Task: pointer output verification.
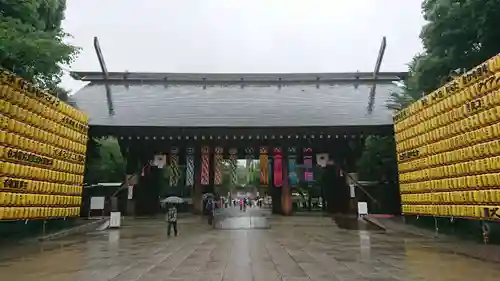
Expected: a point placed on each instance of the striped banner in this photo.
(278, 167)
(233, 161)
(174, 167)
(205, 165)
(249, 151)
(218, 157)
(264, 166)
(308, 164)
(190, 167)
(292, 166)
(269, 169)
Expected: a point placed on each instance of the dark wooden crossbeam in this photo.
(104, 74)
(376, 73)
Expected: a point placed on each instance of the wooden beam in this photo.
(105, 74)
(378, 63)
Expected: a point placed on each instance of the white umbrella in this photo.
(172, 200)
(207, 195)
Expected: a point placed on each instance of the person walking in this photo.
(211, 211)
(172, 219)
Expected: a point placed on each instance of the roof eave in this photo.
(93, 76)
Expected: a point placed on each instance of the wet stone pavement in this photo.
(242, 246)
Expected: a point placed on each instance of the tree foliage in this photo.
(401, 99)
(105, 162)
(378, 160)
(409, 90)
(459, 34)
(32, 41)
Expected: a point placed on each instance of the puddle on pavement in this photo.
(235, 223)
(26, 250)
(354, 224)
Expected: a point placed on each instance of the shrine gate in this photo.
(196, 120)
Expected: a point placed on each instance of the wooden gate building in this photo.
(199, 119)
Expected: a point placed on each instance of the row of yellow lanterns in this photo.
(465, 86)
(487, 180)
(27, 199)
(484, 212)
(37, 173)
(23, 157)
(455, 129)
(31, 186)
(21, 213)
(462, 106)
(474, 152)
(29, 118)
(25, 87)
(13, 130)
(491, 196)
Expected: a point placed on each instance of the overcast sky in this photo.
(243, 35)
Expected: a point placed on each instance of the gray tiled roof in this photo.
(232, 105)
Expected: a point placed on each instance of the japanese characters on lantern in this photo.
(448, 146)
(42, 152)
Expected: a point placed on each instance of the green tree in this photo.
(459, 35)
(105, 162)
(32, 41)
(378, 159)
(408, 91)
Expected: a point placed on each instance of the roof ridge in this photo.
(238, 77)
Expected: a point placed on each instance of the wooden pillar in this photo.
(352, 178)
(286, 191)
(275, 191)
(132, 174)
(328, 180)
(210, 188)
(198, 188)
(127, 178)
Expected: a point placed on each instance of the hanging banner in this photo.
(174, 167)
(308, 164)
(264, 166)
(292, 166)
(233, 161)
(160, 160)
(278, 167)
(322, 159)
(190, 167)
(205, 165)
(249, 157)
(218, 157)
(269, 169)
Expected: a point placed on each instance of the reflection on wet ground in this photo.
(353, 223)
(241, 220)
(288, 248)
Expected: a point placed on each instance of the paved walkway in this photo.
(287, 248)
(396, 225)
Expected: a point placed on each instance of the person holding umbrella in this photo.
(210, 206)
(172, 213)
(172, 219)
(211, 210)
